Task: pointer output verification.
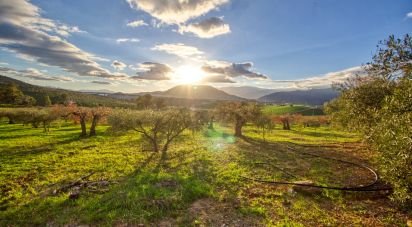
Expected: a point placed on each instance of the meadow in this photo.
(200, 181)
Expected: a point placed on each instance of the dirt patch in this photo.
(209, 212)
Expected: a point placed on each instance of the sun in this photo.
(189, 74)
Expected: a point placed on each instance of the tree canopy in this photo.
(380, 106)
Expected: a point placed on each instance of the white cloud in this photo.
(179, 49)
(327, 79)
(208, 28)
(319, 81)
(97, 58)
(409, 15)
(118, 65)
(136, 23)
(27, 34)
(176, 11)
(33, 73)
(124, 40)
(230, 70)
(23, 13)
(153, 71)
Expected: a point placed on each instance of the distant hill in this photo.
(101, 91)
(55, 94)
(307, 97)
(182, 95)
(203, 92)
(247, 92)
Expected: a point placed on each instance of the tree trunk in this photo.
(93, 126)
(286, 125)
(166, 146)
(155, 146)
(83, 125)
(238, 128)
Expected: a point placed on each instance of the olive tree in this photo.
(265, 124)
(380, 106)
(239, 113)
(81, 114)
(85, 114)
(158, 128)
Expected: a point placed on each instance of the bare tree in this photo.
(159, 128)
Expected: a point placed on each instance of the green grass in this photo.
(292, 109)
(199, 182)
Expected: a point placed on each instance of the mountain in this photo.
(100, 91)
(182, 95)
(247, 92)
(197, 92)
(57, 95)
(308, 97)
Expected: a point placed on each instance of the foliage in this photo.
(380, 106)
(265, 124)
(239, 113)
(33, 116)
(11, 94)
(147, 101)
(158, 128)
(47, 101)
(86, 114)
(64, 97)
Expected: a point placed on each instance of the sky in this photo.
(148, 45)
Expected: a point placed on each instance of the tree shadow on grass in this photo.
(324, 134)
(152, 192)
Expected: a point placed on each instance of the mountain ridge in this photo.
(315, 96)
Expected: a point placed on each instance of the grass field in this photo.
(292, 109)
(199, 181)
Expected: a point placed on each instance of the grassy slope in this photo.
(288, 109)
(197, 183)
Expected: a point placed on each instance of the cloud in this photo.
(231, 70)
(23, 13)
(136, 23)
(118, 65)
(179, 49)
(208, 28)
(327, 79)
(32, 73)
(409, 15)
(124, 40)
(176, 11)
(153, 71)
(97, 58)
(101, 82)
(24, 32)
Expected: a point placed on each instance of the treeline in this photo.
(17, 93)
(155, 120)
